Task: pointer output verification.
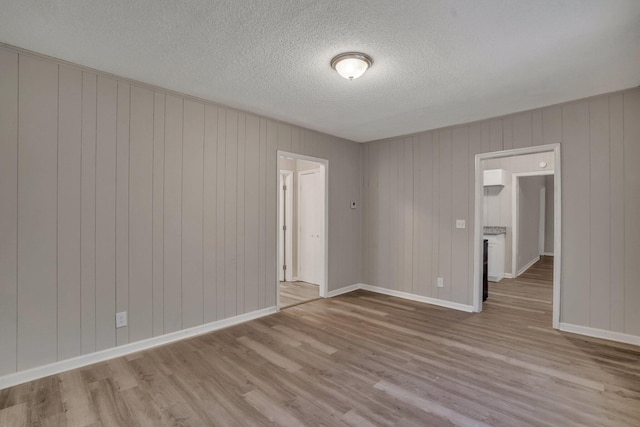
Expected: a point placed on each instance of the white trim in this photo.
(100, 356)
(400, 294)
(344, 290)
(529, 264)
(557, 214)
(420, 298)
(548, 254)
(542, 219)
(600, 333)
(324, 286)
(515, 218)
(508, 276)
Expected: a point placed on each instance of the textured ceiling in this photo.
(436, 63)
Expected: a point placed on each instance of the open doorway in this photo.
(532, 221)
(513, 191)
(302, 229)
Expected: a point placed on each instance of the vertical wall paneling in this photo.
(476, 135)
(284, 137)
(616, 220)
(8, 209)
(496, 136)
(121, 198)
(631, 132)
(575, 213)
(435, 214)
(88, 214)
(262, 239)
(158, 213)
(460, 210)
(230, 213)
(271, 212)
(37, 212)
(366, 209)
(418, 230)
(209, 226)
(522, 130)
(599, 212)
(240, 235)
(107, 91)
(536, 128)
(141, 214)
(122, 206)
(173, 214)
(507, 133)
(251, 209)
(408, 207)
(446, 223)
(221, 178)
(427, 214)
(384, 220)
(69, 165)
(192, 187)
(552, 125)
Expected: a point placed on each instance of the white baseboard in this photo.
(420, 298)
(529, 264)
(600, 333)
(548, 254)
(100, 356)
(344, 290)
(508, 276)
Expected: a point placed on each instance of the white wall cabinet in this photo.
(496, 256)
(495, 177)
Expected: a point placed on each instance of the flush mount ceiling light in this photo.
(351, 65)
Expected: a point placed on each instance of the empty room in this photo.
(319, 212)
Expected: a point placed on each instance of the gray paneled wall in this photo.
(117, 196)
(416, 186)
(528, 220)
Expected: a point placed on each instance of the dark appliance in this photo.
(485, 269)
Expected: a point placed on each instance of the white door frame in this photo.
(288, 219)
(543, 219)
(557, 215)
(324, 283)
(515, 217)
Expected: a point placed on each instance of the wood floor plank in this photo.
(359, 359)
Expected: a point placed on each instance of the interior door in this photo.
(311, 224)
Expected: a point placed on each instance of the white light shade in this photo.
(351, 65)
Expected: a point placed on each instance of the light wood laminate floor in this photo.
(292, 293)
(360, 359)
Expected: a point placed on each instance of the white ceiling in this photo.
(436, 63)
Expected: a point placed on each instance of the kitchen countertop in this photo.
(493, 230)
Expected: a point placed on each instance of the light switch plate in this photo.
(460, 223)
(121, 319)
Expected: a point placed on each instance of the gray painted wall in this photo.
(117, 196)
(416, 186)
(549, 208)
(528, 220)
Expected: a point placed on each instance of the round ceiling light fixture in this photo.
(351, 65)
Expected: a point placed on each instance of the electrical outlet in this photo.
(460, 223)
(121, 319)
(441, 282)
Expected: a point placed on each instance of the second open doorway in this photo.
(302, 229)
